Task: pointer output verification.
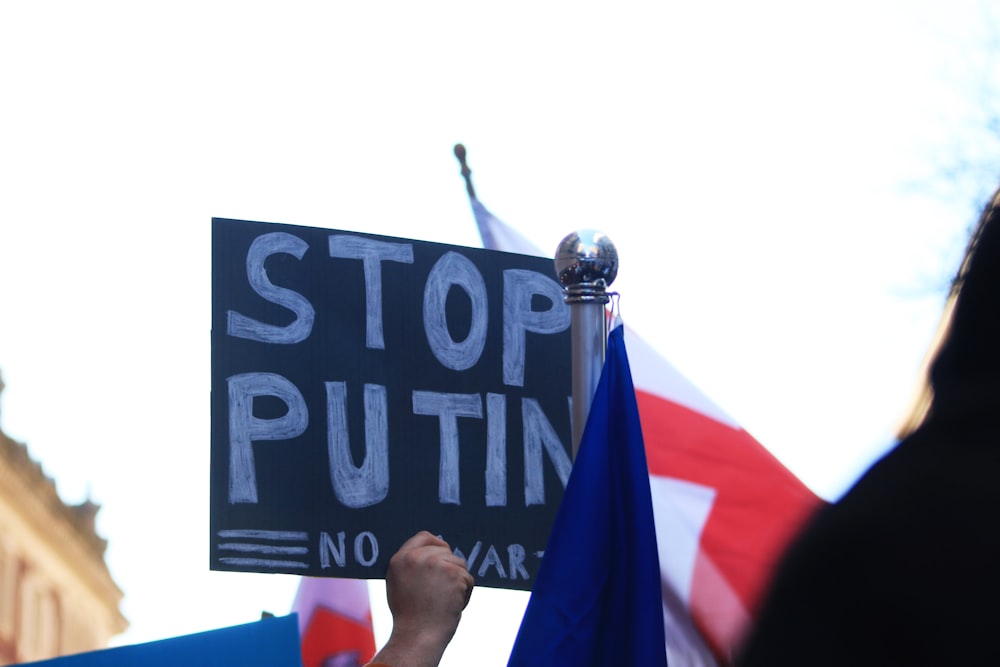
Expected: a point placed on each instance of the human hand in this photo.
(427, 587)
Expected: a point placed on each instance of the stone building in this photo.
(57, 596)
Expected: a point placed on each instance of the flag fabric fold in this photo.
(725, 508)
(335, 622)
(596, 599)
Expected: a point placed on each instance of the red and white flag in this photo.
(724, 507)
(335, 622)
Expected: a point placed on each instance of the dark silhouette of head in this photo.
(965, 375)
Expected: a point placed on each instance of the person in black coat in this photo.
(905, 568)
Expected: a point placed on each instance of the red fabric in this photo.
(759, 507)
(332, 639)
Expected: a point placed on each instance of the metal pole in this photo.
(586, 263)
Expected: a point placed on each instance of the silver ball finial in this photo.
(586, 263)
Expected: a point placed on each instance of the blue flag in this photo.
(596, 599)
(272, 642)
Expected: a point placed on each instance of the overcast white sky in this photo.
(771, 173)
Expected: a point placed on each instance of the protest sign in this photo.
(367, 387)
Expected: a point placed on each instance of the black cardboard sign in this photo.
(367, 387)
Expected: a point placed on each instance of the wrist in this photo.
(413, 647)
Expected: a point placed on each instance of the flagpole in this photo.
(586, 263)
(466, 172)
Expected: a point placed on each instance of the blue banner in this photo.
(272, 642)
